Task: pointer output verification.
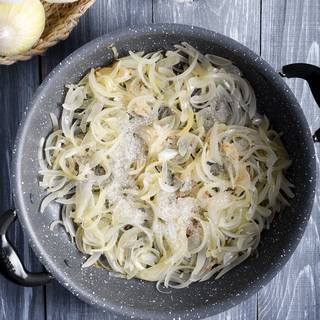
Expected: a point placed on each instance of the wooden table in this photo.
(282, 32)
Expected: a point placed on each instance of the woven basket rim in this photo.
(65, 18)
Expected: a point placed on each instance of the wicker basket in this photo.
(60, 20)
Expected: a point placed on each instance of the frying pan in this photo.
(138, 298)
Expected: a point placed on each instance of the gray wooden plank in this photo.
(18, 83)
(105, 16)
(239, 20)
(291, 33)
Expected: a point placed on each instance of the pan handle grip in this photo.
(311, 74)
(11, 266)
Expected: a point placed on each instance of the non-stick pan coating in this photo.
(138, 298)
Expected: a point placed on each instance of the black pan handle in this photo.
(11, 266)
(311, 74)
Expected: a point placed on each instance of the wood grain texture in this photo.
(291, 33)
(105, 16)
(239, 20)
(17, 84)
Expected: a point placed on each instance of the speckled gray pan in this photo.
(134, 297)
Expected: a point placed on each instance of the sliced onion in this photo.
(140, 191)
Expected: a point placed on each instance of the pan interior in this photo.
(140, 298)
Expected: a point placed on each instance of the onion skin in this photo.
(21, 25)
